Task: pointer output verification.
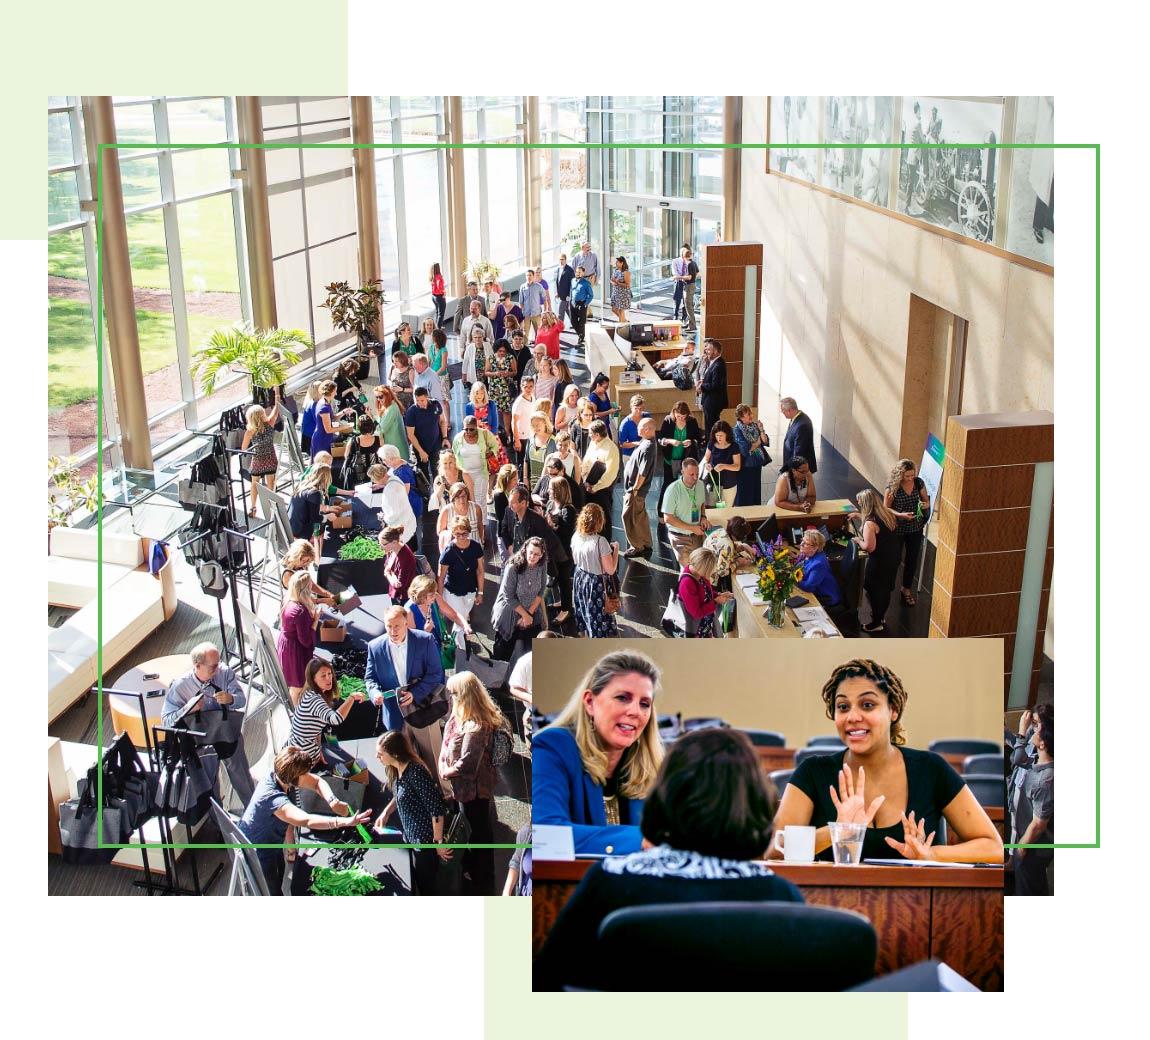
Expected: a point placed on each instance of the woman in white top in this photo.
(460, 504)
(565, 449)
(448, 476)
(595, 558)
(476, 353)
(567, 411)
(471, 448)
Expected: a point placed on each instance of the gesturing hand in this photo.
(915, 844)
(850, 799)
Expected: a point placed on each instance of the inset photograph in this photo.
(767, 815)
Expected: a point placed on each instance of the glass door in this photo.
(649, 233)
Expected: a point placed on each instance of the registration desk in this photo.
(829, 511)
(606, 356)
(750, 615)
(953, 914)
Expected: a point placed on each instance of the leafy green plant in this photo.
(481, 271)
(69, 493)
(353, 882)
(349, 684)
(263, 355)
(355, 310)
(361, 549)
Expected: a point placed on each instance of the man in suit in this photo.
(800, 436)
(410, 662)
(712, 384)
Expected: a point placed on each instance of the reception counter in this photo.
(830, 511)
(605, 355)
(953, 914)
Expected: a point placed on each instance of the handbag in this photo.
(446, 644)
(612, 600)
(221, 728)
(676, 622)
(428, 711)
(82, 825)
(501, 746)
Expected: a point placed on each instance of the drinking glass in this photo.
(847, 842)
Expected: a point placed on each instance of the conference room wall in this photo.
(954, 685)
(837, 281)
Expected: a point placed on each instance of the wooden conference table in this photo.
(952, 914)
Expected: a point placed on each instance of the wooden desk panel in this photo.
(832, 511)
(918, 912)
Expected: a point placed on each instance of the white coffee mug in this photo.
(797, 844)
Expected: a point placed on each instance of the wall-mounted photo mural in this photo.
(947, 166)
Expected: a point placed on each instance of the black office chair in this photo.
(848, 572)
(766, 738)
(736, 948)
(780, 778)
(984, 764)
(990, 790)
(960, 746)
(670, 727)
(835, 742)
(704, 722)
(810, 752)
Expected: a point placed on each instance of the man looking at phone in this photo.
(404, 668)
(215, 686)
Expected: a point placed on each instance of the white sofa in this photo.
(135, 604)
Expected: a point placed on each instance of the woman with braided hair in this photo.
(899, 793)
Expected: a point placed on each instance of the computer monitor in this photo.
(768, 530)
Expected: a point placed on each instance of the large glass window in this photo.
(562, 174)
(311, 197)
(494, 181)
(411, 196)
(73, 358)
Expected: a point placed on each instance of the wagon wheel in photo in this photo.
(974, 211)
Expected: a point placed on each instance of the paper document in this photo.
(552, 842)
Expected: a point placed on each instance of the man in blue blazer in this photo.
(410, 662)
(800, 436)
(563, 794)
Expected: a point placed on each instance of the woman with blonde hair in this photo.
(907, 497)
(572, 464)
(461, 575)
(299, 557)
(427, 610)
(448, 475)
(698, 595)
(597, 762)
(482, 407)
(550, 328)
(466, 762)
(537, 448)
(459, 503)
(296, 641)
(546, 382)
(309, 506)
(566, 396)
(596, 561)
(476, 351)
(327, 429)
(879, 538)
(259, 438)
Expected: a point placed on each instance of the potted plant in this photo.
(263, 355)
(69, 494)
(482, 271)
(359, 311)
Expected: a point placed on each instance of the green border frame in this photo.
(585, 146)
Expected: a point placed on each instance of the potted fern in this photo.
(359, 311)
(263, 355)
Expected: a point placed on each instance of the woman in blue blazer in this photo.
(593, 766)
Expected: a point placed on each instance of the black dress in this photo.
(931, 785)
(882, 570)
(658, 875)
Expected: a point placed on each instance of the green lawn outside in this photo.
(72, 347)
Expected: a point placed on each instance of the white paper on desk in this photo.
(747, 581)
(813, 613)
(552, 842)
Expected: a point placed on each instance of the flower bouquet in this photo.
(780, 569)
